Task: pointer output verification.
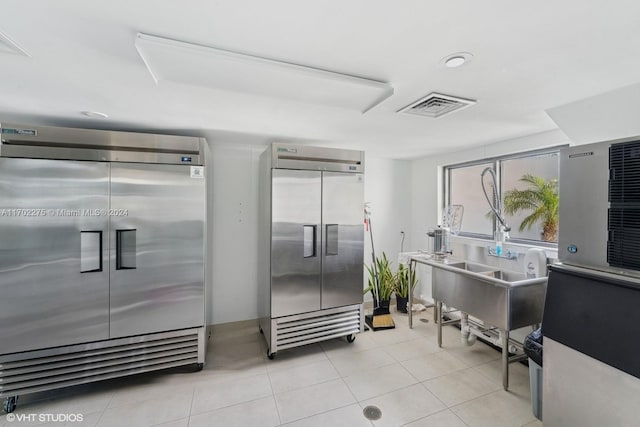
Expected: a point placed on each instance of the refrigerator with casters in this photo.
(101, 256)
(311, 245)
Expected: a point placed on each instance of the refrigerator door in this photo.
(157, 240)
(343, 238)
(54, 270)
(295, 242)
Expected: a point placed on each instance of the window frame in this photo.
(496, 163)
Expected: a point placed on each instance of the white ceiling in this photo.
(528, 57)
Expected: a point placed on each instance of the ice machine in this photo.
(599, 209)
(101, 256)
(311, 248)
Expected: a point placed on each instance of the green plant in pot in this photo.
(404, 284)
(542, 199)
(386, 284)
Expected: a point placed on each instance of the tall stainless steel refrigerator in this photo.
(311, 245)
(101, 256)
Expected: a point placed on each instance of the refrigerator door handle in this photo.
(90, 251)
(332, 239)
(126, 249)
(309, 247)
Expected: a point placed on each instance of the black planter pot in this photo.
(401, 304)
(382, 308)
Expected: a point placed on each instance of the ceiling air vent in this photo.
(436, 105)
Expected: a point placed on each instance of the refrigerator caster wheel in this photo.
(270, 355)
(10, 404)
(351, 338)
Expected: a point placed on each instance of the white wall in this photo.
(233, 184)
(232, 291)
(388, 190)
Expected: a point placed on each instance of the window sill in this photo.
(550, 249)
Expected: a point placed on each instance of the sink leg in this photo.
(410, 295)
(505, 359)
(439, 315)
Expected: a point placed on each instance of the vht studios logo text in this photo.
(45, 418)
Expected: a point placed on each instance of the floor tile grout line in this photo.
(434, 395)
(193, 395)
(368, 369)
(476, 398)
(234, 404)
(113, 395)
(273, 396)
(430, 415)
(345, 383)
(319, 413)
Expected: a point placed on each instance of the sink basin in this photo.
(490, 274)
(503, 298)
(468, 266)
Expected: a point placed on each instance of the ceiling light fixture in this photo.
(95, 114)
(456, 60)
(177, 61)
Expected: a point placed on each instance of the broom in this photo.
(381, 318)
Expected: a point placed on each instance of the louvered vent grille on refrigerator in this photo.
(623, 246)
(30, 372)
(293, 331)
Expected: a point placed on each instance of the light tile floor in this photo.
(402, 371)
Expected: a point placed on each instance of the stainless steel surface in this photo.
(311, 242)
(45, 299)
(294, 156)
(295, 279)
(161, 285)
(505, 299)
(91, 251)
(40, 370)
(584, 190)
(439, 323)
(98, 145)
(500, 298)
(505, 359)
(320, 325)
(343, 253)
(439, 242)
(581, 391)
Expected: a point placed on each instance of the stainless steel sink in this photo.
(505, 299)
(501, 298)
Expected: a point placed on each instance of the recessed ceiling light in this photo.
(95, 114)
(456, 59)
(454, 62)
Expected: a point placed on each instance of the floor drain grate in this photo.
(372, 412)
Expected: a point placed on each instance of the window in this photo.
(463, 187)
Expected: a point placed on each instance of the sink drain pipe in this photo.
(466, 336)
(469, 333)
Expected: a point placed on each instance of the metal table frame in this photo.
(438, 319)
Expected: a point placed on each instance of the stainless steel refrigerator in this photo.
(101, 256)
(311, 245)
